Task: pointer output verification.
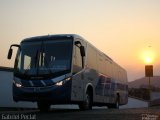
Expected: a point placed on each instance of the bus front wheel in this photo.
(87, 103)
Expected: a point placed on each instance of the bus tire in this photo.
(43, 106)
(87, 103)
(117, 101)
(116, 104)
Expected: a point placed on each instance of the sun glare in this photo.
(148, 60)
(148, 57)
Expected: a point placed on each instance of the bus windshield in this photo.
(43, 58)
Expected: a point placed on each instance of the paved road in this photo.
(75, 114)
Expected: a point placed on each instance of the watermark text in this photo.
(149, 117)
(18, 116)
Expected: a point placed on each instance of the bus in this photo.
(66, 69)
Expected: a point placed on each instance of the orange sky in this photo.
(123, 29)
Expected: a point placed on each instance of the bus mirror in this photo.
(10, 53)
(82, 49)
(11, 50)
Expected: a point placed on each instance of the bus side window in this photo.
(77, 60)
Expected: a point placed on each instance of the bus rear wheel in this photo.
(87, 103)
(43, 106)
(116, 104)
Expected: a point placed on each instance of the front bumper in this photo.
(53, 94)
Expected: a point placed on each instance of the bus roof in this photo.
(53, 36)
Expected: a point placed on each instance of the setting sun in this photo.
(148, 60)
(149, 57)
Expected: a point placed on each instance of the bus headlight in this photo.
(17, 83)
(60, 83)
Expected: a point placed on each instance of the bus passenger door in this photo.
(77, 79)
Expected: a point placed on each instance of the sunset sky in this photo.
(126, 30)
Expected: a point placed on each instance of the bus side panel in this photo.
(92, 72)
(105, 76)
(77, 87)
(109, 76)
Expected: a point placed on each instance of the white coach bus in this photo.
(66, 69)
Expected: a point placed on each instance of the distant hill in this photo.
(155, 81)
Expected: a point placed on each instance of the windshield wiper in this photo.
(43, 60)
